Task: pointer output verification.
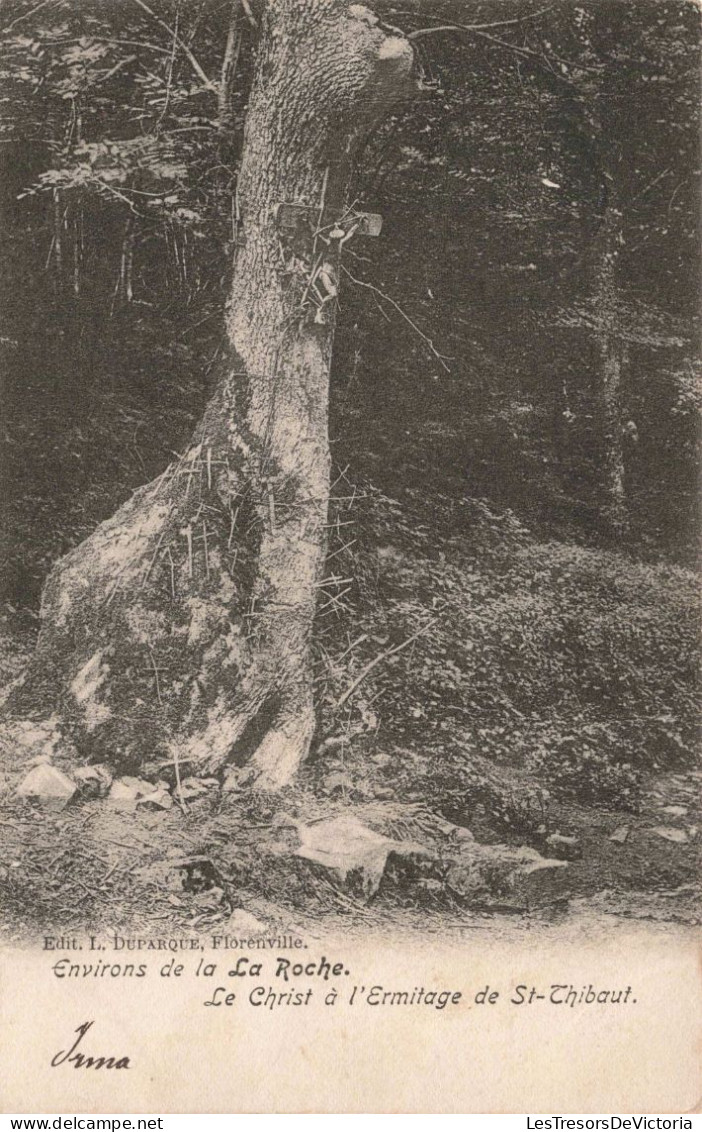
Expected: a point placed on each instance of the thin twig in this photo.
(231, 528)
(188, 532)
(358, 641)
(171, 61)
(158, 683)
(115, 42)
(179, 785)
(115, 192)
(172, 569)
(341, 475)
(118, 865)
(527, 52)
(335, 600)
(249, 14)
(398, 308)
(322, 204)
(26, 15)
(479, 27)
(341, 549)
(378, 660)
(205, 550)
(51, 252)
(117, 67)
(154, 556)
(183, 46)
(229, 66)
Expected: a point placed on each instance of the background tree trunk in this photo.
(612, 354)
(181, 629)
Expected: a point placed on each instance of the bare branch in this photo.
(478, 27)
(117, 67)
(518, 49)
(183, 46)
(248, 13)
(229, 66)
(378, 659)
(116, 42)
(171, 61)
(481, 34)
(115, 192)
(398, 308)
(26, 15)
(527, 52)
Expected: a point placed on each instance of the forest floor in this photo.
(504, 793)
(97, 870)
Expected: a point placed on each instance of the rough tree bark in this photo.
(606, 119)
(181, 628)
(612, 358)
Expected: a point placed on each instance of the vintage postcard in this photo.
(349, 748)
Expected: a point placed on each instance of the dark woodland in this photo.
(459, 682)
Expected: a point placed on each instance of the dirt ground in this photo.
(229, 864)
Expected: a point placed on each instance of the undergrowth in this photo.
(508, 667)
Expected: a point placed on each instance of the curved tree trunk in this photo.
(181, 628)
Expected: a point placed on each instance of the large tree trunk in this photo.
(181, 628)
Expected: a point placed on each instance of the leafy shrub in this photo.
(469, 792)
(590, 765)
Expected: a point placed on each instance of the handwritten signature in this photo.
(88, 1061)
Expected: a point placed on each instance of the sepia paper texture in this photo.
(470, 1057)
(352, 769)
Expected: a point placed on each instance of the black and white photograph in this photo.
(349, 491)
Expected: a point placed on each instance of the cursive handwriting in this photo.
(83, 1061)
